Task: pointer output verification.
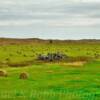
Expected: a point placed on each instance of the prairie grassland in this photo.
(77, 80)
(17, 53)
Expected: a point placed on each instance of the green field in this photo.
(17, 53)
(50, 81)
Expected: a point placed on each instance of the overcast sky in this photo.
(56, 19)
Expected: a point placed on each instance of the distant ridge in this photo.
(49, 39)
(6, 41)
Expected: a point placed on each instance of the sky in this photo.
(50, 19)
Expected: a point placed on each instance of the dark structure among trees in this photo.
(52, 57)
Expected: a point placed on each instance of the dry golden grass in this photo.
(77, 63)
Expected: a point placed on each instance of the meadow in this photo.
(66, 80)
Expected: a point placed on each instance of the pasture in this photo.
(52, 82)
(64, 80)
(17, 53)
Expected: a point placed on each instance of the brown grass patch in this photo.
(77, 63)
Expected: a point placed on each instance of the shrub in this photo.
(50, 41)
(52, 57)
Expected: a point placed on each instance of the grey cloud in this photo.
(48, 16)
(50, 11)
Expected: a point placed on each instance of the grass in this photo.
(52, 82)
(28, 52)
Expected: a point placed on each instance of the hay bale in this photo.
(3, 73)
(50, 71)
(24, 75)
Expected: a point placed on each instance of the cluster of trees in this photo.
(52, 57)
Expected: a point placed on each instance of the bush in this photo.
(52, 57)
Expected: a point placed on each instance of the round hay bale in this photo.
(50, 71)
(3, 73)
(24, 75)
